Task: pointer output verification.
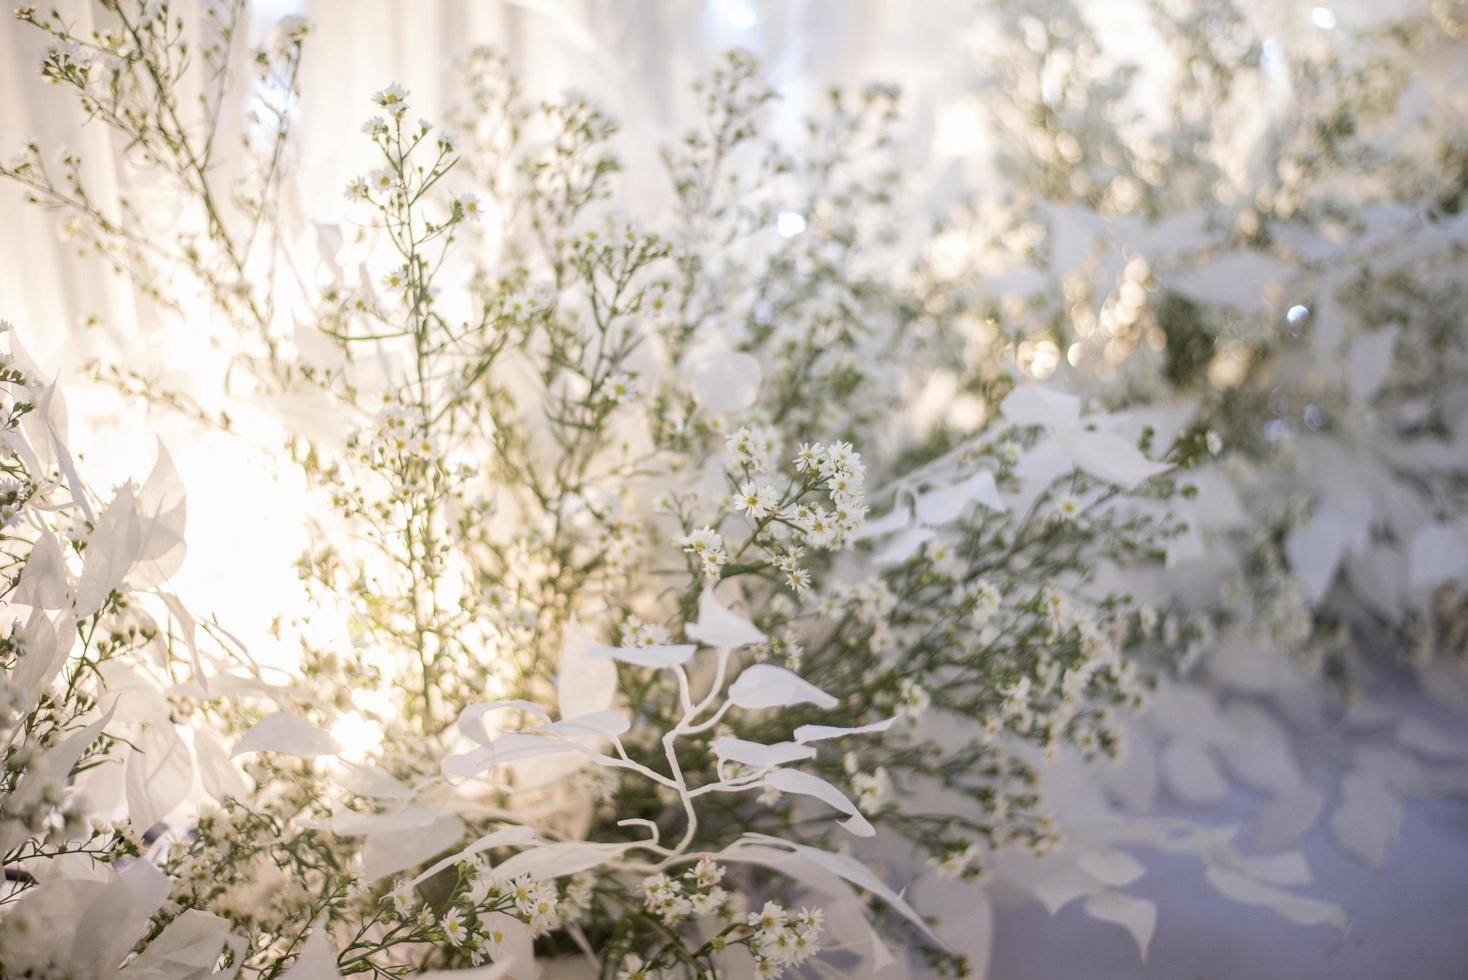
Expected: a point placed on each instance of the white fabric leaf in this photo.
(944, 504)
(369, 781)
(288, 735)
(648, 656)
(1287, 817)
(115, 543)
(853, 871)
(1304, 911)
(1369, 819)
(1369, 363)
(1109, 457)
(1191, 773)
(162, 514)
(470, 725)
(1111, 866)
(725, 381)
(115, 919)
(817, 733)
(1314, 552)
(222, 779)
(718, 627)
(1033, 404)
(1137, 916)
(805, 784)
(899, 517)
(768, 686)
(159, 773)
(558, 859)
(905, 545)
(759, 754)
(583, 684)
(1428, 740)
(188, 949)
(1438, 554)
(43, 582)
(317, 960)
(504, 837)
(392, 850)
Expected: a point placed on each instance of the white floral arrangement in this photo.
(657, 627)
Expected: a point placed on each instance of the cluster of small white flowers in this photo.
(706, 544)
(958, 863)
(780, 940)
(873, 789)
(751, 448)
(696, 894)
(536, 902)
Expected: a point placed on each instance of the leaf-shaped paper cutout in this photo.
(817, 733)
(649, 656)
(806, 784)
(1438, 554)
(718, 627)
(759, 754)
(1109, 457)
(1137, 916)
(287, 734)
(1245, 890)
(159, 773)
(944, 504)
(768, 686)
(1191, 773)
(1369, 819)
(583, 684)
(390, 851)
(1369, 363)
(115, 543)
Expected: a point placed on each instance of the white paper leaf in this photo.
(1137, 916)
(162, 514)
(768, 686)
(115, 919)
(1241, 888)
(1191, 773)
(649, 656)
(805, 784)
(1287, 817)
(288, 735)
(1032, 404)
(469, 719)
(1369, 363)
(504, 837)
(1109, 457)
(369, 781)
(1314, 552)
(853, 871)
(1438, 554)
(43, 583)
(817, 733)
(718, 627)
(222, 779)
(390, 851)
(905, 545)
(1369, 819)
(558, 859)
(758, 754)
(1428, 740)
(944, 504)
(1111, 866)
(583, 684)
(188, 949)
(115, 543)
(159, 773)
(317, 960)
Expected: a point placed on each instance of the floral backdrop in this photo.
(737, 515)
